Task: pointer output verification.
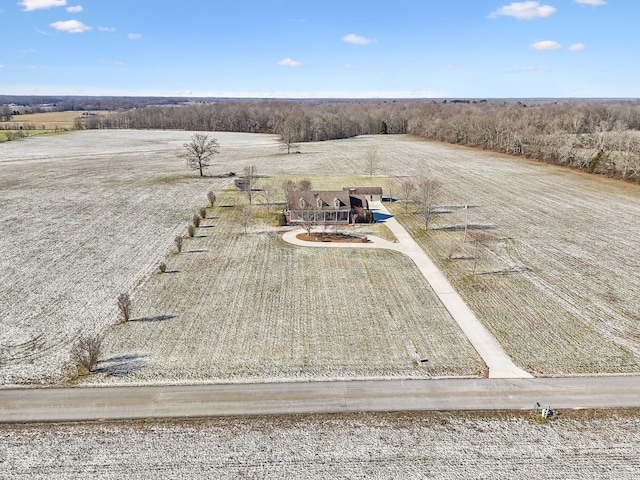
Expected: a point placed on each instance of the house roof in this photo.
(364, 190)
(327, 197)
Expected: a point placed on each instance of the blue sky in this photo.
(327, 48)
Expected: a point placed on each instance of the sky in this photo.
(321, 48)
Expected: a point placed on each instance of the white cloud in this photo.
(288, 62)
(593, 3)
(134, 36)
(1, 67)
(524, 11)
(452, 66)
(357, 39)
(106, 29)
(71, 26)
(76, 9)
(546, 45)
(30, 5)
(577, 47)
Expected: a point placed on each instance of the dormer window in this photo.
(320, 203)
(336, 202)
(303, 202)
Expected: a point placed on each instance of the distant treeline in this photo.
(596, 136)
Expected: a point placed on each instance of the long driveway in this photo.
(498, 362)
(139, 402)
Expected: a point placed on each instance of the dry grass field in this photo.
(89, 215)
(47, 120)
(250, 307)
(377, 446)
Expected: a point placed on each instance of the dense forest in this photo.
(597, 136)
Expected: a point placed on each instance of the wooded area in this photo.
(595, 136)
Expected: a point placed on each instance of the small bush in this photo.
(212, 198)
(203, 212)
(124, 305)
(162, 267)
(191, 230)
(87, 352)
(178, 242)
(196, 221)
(281, 219)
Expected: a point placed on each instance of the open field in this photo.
(46, 120)
(380, 446)
(556, 279)
(249, 307)
(88, 215)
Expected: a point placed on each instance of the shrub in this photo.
(87, 352)
(281, 219)
(124, 305)
(162, 267)
(178, 242)
(191, 230)
(212, 198)
(203, 212)
(196, 222)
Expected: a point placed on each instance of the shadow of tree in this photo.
(159, 318)
(461, 228)
(122, 365)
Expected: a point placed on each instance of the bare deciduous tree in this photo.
(178, 241)
(407, 191)
(371, 161)
(288, 186)
(269, 196)
(304, 185)
(86, 352)
(428, 193)
(245, 218)
(310, 217)
(124, 306)
(290, 130)
(212, 198)
(250, 175)
(200, 151)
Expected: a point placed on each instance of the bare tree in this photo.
(428, 193)
(245, 219)
(200, 151)
(288, 186)
(178, 241)
(269, 196)
(304, 185)
(407, 191)
(86, 352)
(250, 175)
(371, 161)
(124, 306)
(290, 131)
(309, 217)
(212, 198)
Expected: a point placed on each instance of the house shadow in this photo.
(158, 318)
(380, 217)
(122, 365)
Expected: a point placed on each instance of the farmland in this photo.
(380, 446)
(89, 215)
